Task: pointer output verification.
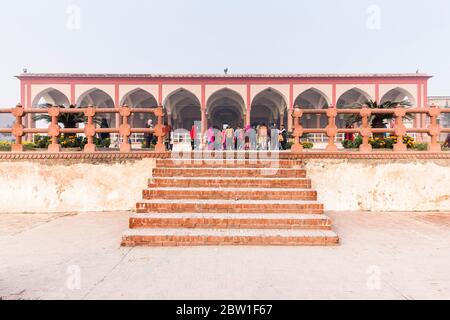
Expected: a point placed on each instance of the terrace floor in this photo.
(381, 256)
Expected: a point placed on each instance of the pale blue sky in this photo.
(205, 36)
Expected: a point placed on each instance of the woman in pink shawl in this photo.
(210, 138)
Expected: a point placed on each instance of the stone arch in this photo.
(225, 106)
(45, 98)
(269, 106)
(399, 94)
(349, 99)
(313, 98)
(183, 109)
(352, 97)
(99, 99)
(50, 96)
(140, 98)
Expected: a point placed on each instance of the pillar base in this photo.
(17, 147)
(331, 148)
(90, 148)
(365, 148)
(297, 148)
(400, 147)
(54, 148)
(125, 147)
(160, 148)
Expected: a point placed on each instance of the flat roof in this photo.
(439, 97)
(305, 75)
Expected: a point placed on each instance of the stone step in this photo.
(230, 237)
(230, 193)
(223, 163)
(217, 182)
(229, 206)
(231, 221)
(228, 172)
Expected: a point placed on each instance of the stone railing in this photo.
(364, 128)
(124, 129)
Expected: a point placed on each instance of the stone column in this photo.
(247, 115)
(290, 121)
(204, 121)
(281, 119)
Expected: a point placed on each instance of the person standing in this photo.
(218, 136)
(229, 138)
(447, 141)
(273, 137)
(149, 135)
(104, 125)
(210, 138)
(282, 137)
(262, 137)
(194, 136)
(167, 136)
(239, 135)
(251, 134)
(349, 136)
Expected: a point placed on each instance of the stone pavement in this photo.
(381, 256)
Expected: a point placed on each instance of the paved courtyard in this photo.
(77, 256)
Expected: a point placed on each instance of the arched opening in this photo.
(139, 98)
(225, 107)
(51, 97)
(183, 109)
(99, 99)
(269, 107)
(350, 99)
(313, 99)
(401, 95)
(46, 98)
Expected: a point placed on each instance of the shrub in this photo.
(289, 145)
(5, 146)
(421, 146)
(307, 145)
(41, 142)
(379, 142)
(349, 144)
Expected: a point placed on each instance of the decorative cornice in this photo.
(221, 76)
(117, 156)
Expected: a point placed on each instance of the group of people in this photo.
(256, 137)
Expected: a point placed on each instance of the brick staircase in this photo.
(229, 202)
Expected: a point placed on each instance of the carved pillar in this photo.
(298, 130)
(400, 129)
(434, 130)
(365, 130)
(331, 129)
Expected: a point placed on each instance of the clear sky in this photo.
(206, 36)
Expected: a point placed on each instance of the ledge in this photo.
(136, 155)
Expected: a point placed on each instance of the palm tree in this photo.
(377, 120)
(68, 120)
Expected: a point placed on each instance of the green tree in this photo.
(68, 120)
(377, 120)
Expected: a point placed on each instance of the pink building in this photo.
(236, 99)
